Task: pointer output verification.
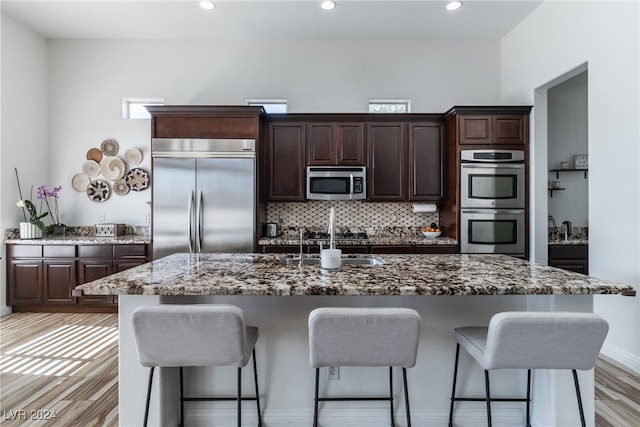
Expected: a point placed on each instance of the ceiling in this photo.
(268, 20)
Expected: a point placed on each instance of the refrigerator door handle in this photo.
(199, 224)
(190, 229)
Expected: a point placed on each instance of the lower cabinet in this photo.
(570, 257)
(42, 277)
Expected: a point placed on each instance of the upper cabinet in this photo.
(286, 162)
(426, 161)
(386, 175)
(335, 144)
(494, 129)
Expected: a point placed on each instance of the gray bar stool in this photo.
(195, 335)
(531, 340)
(364, 337)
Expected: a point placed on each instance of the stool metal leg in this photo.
(528, 397)
(146, 406)
(255, 380)
(393, 424)
(181, 399)
(406, 396)
(575, 380)
(315, 405)
(453, 389)
(239, 397)
(486, 382)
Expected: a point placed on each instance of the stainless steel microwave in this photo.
(336, 182)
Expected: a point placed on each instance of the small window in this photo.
(134, 108)
(386, 106)
(271, 106)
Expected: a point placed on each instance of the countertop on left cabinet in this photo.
(82, 240)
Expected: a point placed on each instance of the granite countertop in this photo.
(383, 240)
(81, 240)
(264, 274)
(570, 242)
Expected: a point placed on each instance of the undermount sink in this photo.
(345, 261)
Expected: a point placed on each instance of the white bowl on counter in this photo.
(431, 234)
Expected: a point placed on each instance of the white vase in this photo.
(29, 231)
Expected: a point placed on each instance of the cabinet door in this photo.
(475, 129)
(286, 162)
(125, 264)
(349, 144)
(94, 269)
(509, 129)
(59, 281)
(386, 173)
(426, 161)
(321, 145)
(25, 282)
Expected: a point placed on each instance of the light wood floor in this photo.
(66, 365)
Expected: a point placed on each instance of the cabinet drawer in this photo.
(95, 251)
(580, 252)
(26, 251)
(59, 251)
(129, 251)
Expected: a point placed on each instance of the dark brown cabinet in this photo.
(286, 162)
(493, 129)
(426, 161)
(43, 277)
(335, 144)
(570, 257)
(386, 175)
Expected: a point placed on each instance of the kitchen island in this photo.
(447, 290)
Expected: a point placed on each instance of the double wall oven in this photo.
(493, 201)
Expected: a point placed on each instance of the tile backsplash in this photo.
(377, 219)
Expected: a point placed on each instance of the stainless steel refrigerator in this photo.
(203, 195)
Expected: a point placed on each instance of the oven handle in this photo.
(493, 211)
(492, 166)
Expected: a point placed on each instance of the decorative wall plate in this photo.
(112, 167)
(98, 191)
(80, 182)
(91, 168)
(110, 147)
(94, 154)
(133, 156)
(137, 179)
(121, 188)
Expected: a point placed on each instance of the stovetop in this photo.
(322, 235)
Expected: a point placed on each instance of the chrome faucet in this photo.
(568, 229)
(301, 234)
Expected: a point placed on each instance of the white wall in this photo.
(559, 37)
(24, 142)
(568, 125)
(88, 78)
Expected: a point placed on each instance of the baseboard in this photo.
(361, 417)
(632, 361)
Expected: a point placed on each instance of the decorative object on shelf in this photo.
(30, 231)
(94, 154)
(133, 156)
(580, 161)
(564, 165)
(110, 147)
(137, 179)
(98, 191)
(80, 182)
(56, 228)
(112, 168)
(120, 187)
(91, 168)
(35, 218)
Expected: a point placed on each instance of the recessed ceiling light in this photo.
(454, 5)
(328, 5)
(207, 4)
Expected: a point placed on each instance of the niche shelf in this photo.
(557, 171)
